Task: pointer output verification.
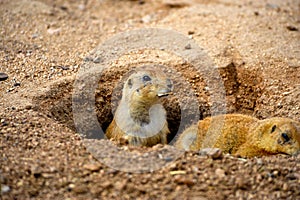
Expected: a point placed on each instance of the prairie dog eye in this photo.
(146, 78)
(285, 137)
(273, 128)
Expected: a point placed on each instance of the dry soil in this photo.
(45, 45)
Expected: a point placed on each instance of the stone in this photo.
(3, 76)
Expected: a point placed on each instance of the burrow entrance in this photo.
(242, 89)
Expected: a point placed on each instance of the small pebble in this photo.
(177, 172)
(63, 7)
(191, 32)
(220, 173)
(272, 6)
(146, 19)
(87, 59)
(35, 35)
(16, 84)
(188, 46)
(141, 2)
(176, 3)
(64, 67)
(3, 122)
(285, 187)
(54, 31)
(214, 153)
(168, 159)
(184, 180)
(292, 28)
(28, 107)
(92, 167)
(80, 189)
(81, 7)
(5, 189)
(10, 89)
(97, 60)
(259, 161)
(3, 76)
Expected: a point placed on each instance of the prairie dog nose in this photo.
(170, 84)
(164, 91)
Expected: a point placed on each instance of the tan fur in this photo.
(186, 140)
(140, 119)
(245, 136)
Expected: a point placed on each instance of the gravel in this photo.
(43, 45)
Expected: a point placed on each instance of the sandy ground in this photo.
(46, 45)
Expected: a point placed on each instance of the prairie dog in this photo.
(244, 135)
(140, 119)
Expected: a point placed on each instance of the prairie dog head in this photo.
(147, 84)
(139, 113)
(279, 135)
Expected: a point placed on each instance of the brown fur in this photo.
(140, 119)
(244, 135)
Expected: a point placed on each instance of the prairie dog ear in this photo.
(129, 82)
(273, 128)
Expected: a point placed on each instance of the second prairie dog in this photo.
(243, 135)
(140, 119)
